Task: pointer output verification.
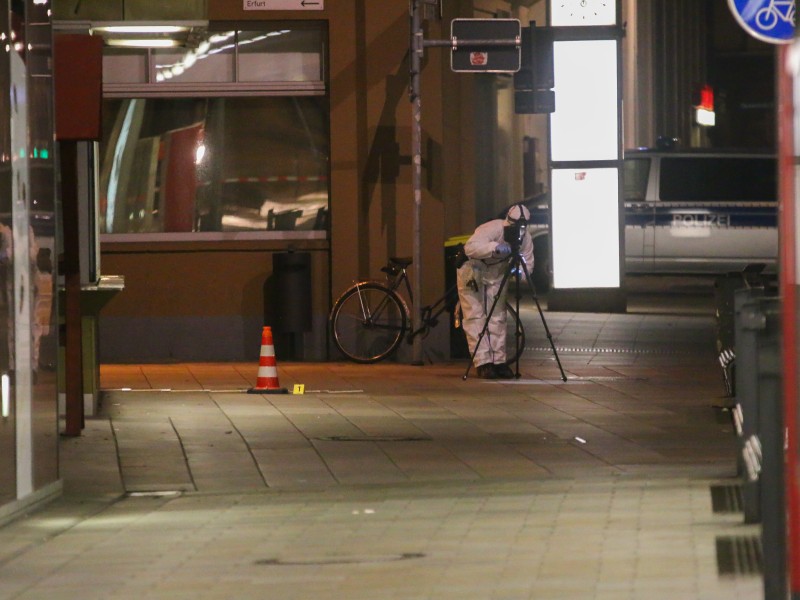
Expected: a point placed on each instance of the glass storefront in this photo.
(28, 250)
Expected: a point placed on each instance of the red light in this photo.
(704, 97)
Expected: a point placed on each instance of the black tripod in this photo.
(515, 264)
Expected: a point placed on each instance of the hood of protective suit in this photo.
(516, 213)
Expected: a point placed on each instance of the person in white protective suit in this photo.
(479, 281)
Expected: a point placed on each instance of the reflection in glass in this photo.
(42, 326)
(280, 55)
(124, 65)
(636, 173)
(214, 164)
(211, 61)
(28, 319)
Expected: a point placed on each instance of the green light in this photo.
(22, 152)
(35, 153)
(45, 153)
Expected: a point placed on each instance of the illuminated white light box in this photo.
(586, 156)
(585, 123)
(583, 12)
(585, 214)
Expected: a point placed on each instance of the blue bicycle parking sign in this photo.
(767, 20)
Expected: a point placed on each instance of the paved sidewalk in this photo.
(403, 482)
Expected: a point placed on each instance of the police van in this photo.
(689, 212)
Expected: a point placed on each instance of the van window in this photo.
(634, 179)
(717, 179)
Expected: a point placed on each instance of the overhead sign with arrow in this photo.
(284, 4)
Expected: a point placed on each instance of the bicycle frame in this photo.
(376, 303)
(397, 275)
(371, 316)
(431, 313)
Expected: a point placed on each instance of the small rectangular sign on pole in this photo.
(485, 45)
(283, 4)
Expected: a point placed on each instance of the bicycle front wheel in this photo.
(367, 322)
(515, 335)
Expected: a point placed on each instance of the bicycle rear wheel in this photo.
(367, 322)
(515, 335)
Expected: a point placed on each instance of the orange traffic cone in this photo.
(267, 381)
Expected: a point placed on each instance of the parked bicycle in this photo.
(371, 318)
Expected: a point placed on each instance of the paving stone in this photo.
(401, 482)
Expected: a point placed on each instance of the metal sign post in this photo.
(789, 291)
(415, 60)
(476, 55)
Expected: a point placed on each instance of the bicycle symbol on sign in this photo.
(778, 10)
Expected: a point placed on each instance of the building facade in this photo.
(244, 135)
(304, 117)
(304, 120)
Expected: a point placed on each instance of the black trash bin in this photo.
(291, 302)
(759, 423)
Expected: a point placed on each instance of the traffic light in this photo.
(536, 64)
(535, 80)
(524, 78)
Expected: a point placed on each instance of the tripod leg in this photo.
(488, 317)
(541, 315)
(518, 326)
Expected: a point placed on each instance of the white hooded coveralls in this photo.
(487, 272)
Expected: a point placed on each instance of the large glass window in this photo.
(205, 64)
(215, 131)
(280, 55)
(214, 164)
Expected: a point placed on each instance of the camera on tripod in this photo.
(513, 234)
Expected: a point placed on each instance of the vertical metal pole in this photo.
(415, 63)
